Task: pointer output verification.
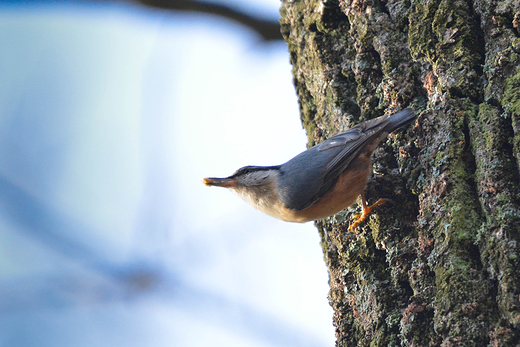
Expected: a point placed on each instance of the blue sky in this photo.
(111, 117)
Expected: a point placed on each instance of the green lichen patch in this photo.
(442, 36)
(511, 97)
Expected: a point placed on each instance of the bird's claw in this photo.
(360, 218)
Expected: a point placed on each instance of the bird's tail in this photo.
(399, 119)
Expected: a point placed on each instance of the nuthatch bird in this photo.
(320, 181)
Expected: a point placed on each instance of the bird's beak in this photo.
(220, 182)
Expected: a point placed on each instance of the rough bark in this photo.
(441, 265)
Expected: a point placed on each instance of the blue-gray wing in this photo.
(311, 174)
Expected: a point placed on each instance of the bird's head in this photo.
(246, 177)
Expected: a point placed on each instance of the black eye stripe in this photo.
(248, 169)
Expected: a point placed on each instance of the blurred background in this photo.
(111, 113)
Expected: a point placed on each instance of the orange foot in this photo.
(360, 218)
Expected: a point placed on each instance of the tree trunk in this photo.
(440, 266)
